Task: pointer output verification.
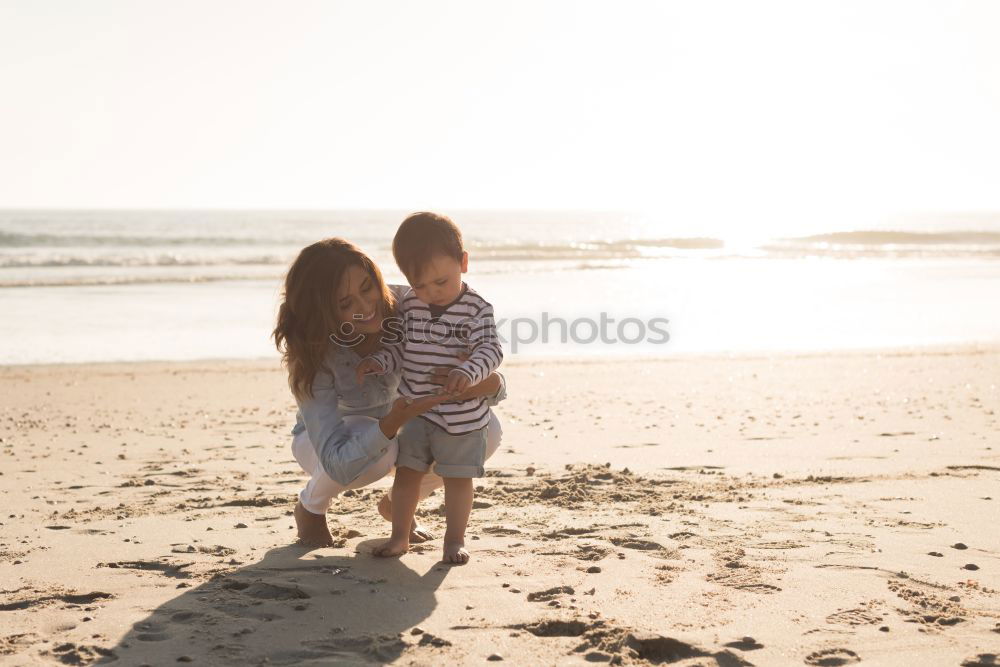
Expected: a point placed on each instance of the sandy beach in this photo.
(818, 509)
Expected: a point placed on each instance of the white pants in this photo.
(320, 490)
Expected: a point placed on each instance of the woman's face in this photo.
(359, 300)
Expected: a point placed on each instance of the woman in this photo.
(331, 317)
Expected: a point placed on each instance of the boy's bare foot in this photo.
(392, 547)
(455, 553)
(418, 533)
(312, 528)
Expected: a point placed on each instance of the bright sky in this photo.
(710, 110)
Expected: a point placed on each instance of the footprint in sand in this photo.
(591, 552)
(71, 598)
(832, 657)
(649, 647)
(657, 649)
(563, 533)
(150, 631)
(186, 616)
(783, 544)
(734, 573)
(550, 594)
(926, 606)
(585, 552)
(854, 617)
(766, 589)
(85, 598)
(264, 591)
(174, 571)
(554, 628)
(666, 574)
(80, 654)
(244, 610)
(15, 643)
(631, 543)
(746, 579)
(683, 535)
(352, 650)
(217, 550)
(655, 548)
(250, 595)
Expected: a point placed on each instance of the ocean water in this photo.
(144, 285)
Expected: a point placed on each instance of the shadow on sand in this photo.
(292, 607)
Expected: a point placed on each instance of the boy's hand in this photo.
(439, 374)
(457, 383)
(368, 367)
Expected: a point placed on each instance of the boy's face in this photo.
(440, 280)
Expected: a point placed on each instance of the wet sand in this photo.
(819, 509)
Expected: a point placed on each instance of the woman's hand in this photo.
(405, 409)
(412, 407)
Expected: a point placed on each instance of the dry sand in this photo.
(794, 509)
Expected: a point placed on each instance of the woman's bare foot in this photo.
(392, 547)
(455, 553)
(418, 533)
(312, 528)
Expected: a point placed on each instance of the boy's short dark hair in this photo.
(423, 236)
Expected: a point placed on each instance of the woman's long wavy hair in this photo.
(308, 313)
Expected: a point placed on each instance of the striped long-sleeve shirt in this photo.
(435, 336)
